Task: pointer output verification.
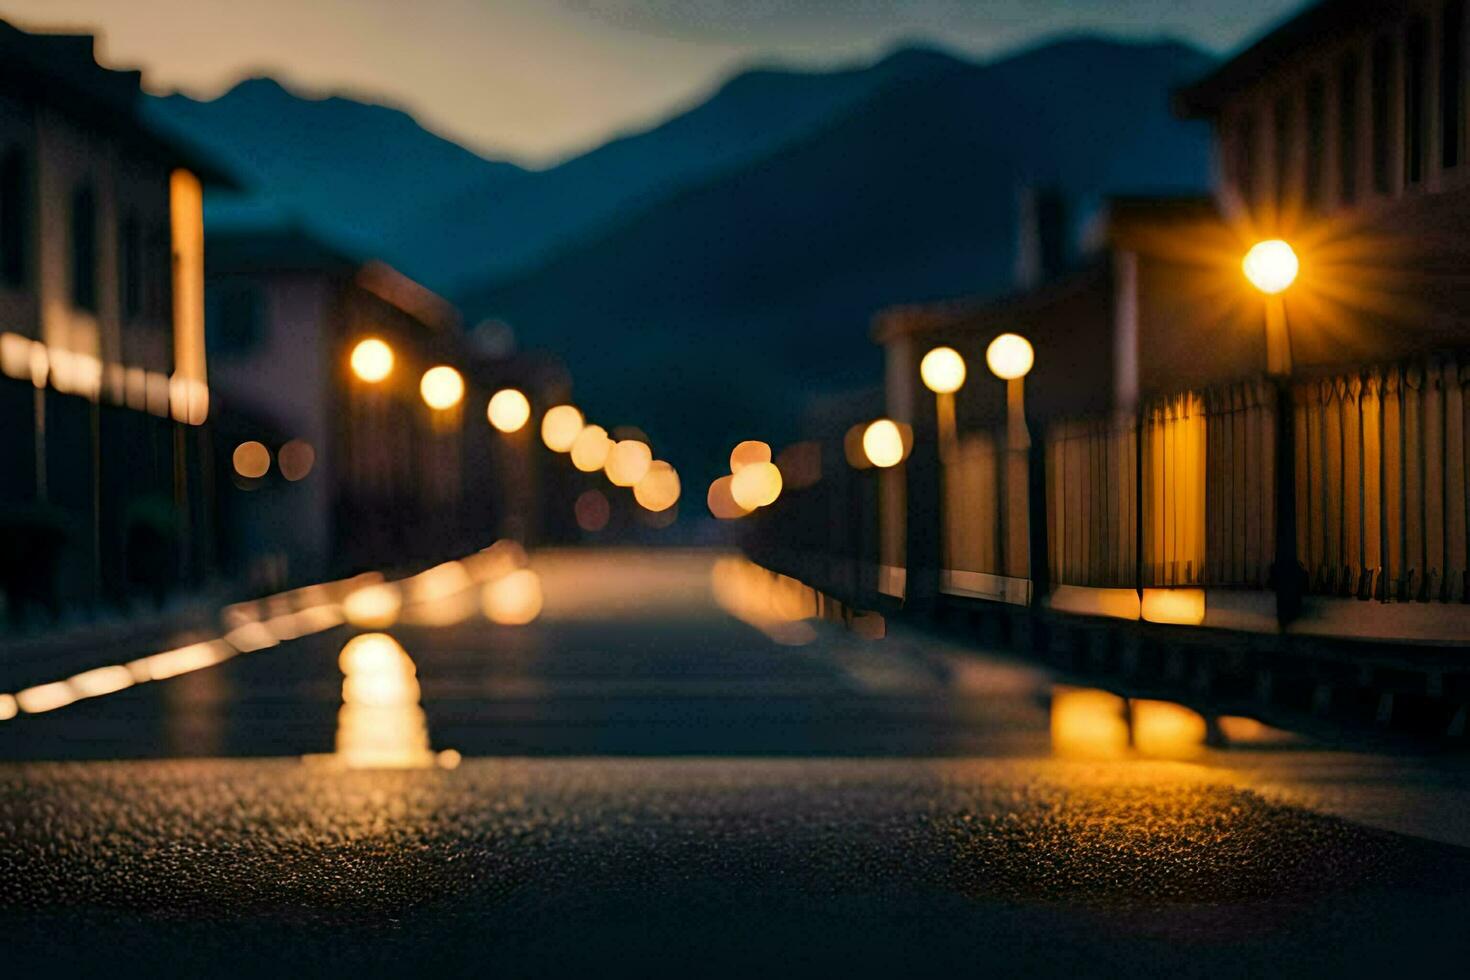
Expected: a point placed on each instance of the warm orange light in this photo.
(1088, 722)
(442, 387)
(560, 427)
(721, 500)
(509, 410)
(1271, 266)
(756, 485)
(659, 488)
(943, 370)
(1167, 730)
(296, 459)
(589, 451)
(372, 360)
(1182, 607)
(748, 452)
(514, 599)
(1010, 356)
(628, 462)
(252, 460)
(374, 607)
(883, 443)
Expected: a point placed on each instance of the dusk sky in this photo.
(535, 80)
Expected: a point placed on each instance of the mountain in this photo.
(498, 227)
(349, 170)
(709, 316)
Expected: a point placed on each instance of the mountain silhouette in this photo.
(499, 227)
(346, 169)
(712, 315)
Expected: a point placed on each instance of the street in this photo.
(642, 783)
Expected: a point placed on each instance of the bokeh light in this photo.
(628, 462)
(589, 451)
(659, 488)
(748, 452)
(756, 485)
(560, 427)
(509, 410)
(943, 370)
(252, 460)
(514, 599)
(721, 500)
(1271, 266)
(372, 360)
(296, 458)
(592, 511)
(373, 607)
(883, 443)
(442, 387)
(1010, 356)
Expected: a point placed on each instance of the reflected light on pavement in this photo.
(514, 599)
(777, 605)
(1088, 723)
(373, 607)
(381, 724)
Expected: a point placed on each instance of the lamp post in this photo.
(1271, 267)
(943, 372)
(1010, 358)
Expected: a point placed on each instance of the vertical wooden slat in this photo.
(1352, 481)
(1306, 516)
(1213, 471)
(1372, 434)
(1252, 476)
(1055, 527)
(1413, 484)
(1332, 446)
(1454, 484)
(1434, 456)
(1266, 420)
(1239, 485)
(1393, 483)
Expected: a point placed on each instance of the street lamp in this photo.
(1010, 358)
(883, 443)
(372, 360)
(509, 410)
(441, 387)
(943, 372)
(1271, 267)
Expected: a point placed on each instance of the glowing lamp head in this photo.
(756, 485)
(560, 427)
(252, 460)
(748, 452)
(442, 387)
(590, 449)
(627, 462)
(943, 370)
(1010, 357)
(883, 443)
(372, 360)
(659, 488)
(509, 410)
(1271, 266)
(721, 500)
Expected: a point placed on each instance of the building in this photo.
(359, 471)
(101, 334)
(1257, 458)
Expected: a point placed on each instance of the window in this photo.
(1284, 137)
(1347, 131)
(84, 249)
(1317, 140)
(15, 217)
(1416, 92)
(130, 258)
(1452, 83)
(1383, 137)
(235, 317)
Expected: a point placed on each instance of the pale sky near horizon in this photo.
(536, 80)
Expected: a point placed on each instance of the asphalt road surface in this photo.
(652, 786)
